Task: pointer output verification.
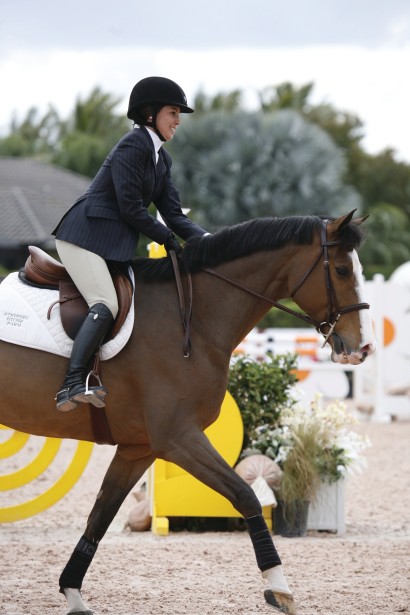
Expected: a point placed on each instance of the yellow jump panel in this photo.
(175, 493)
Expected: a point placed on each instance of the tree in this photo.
(90, 133)
(232, 167)
(286, 96)
(33, 136)
(382, 179)
(346, 129)
(231, 101)
(79, 143)
(388, 242)
(95, 115)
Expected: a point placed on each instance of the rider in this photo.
(104, 224)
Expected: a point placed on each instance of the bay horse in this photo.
(160, 401)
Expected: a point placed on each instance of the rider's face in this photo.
(167, 121)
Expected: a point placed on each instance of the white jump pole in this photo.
(379, 413)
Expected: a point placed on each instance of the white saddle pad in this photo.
(23, 320)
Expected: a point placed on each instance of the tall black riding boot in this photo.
(88, 340)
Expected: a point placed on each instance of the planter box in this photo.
(327, 512)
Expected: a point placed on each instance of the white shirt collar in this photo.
(156, 141)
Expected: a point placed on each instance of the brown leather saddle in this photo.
(44, 271)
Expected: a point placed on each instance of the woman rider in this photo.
(104, 224)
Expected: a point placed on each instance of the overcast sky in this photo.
(357, 52)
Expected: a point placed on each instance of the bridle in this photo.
(325, 328)
(334, 311)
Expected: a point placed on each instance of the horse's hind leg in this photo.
(196, 455)
(120, 478)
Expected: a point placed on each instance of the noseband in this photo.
(334, 312)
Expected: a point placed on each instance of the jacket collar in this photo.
(150, 142)
(156, 141)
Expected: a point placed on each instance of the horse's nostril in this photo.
(368, 349)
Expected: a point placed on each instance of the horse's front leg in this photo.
(196, 455)
(120, 478)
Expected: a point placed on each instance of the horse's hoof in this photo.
(282, 603)
(87, 612)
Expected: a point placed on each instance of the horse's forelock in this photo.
(241, 240)
(352, 236)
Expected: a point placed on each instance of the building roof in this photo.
(34, 196)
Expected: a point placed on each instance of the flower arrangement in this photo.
(309, 442)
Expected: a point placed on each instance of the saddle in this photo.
(44, 271)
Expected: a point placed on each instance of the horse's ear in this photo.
(336, 225)
(339, 223)
(360, 221)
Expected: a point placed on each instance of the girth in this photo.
(44, 271)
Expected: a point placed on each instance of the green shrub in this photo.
(262, 390)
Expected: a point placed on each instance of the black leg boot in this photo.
(88, 340)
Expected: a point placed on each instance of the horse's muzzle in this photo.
(343, 354)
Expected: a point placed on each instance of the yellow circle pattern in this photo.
(36, 468)
(14, 444)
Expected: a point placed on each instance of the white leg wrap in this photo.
(275, 580)
(74, 601)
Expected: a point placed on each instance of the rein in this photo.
(333, 310)
(325, 328)
(186, 311)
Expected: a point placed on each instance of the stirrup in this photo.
(92, 395)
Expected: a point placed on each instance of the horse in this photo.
(162, 398)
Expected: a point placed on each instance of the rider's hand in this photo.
(172, 244)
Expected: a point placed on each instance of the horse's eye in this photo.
(342, 272)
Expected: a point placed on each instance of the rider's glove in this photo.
(172, 244)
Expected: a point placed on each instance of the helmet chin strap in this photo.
(153, 123)
(159, 134)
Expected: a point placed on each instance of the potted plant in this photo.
(311, 444)
(262, 391)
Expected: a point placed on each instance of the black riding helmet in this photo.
(155, 93)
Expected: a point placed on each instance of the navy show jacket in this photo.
(108, 218)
